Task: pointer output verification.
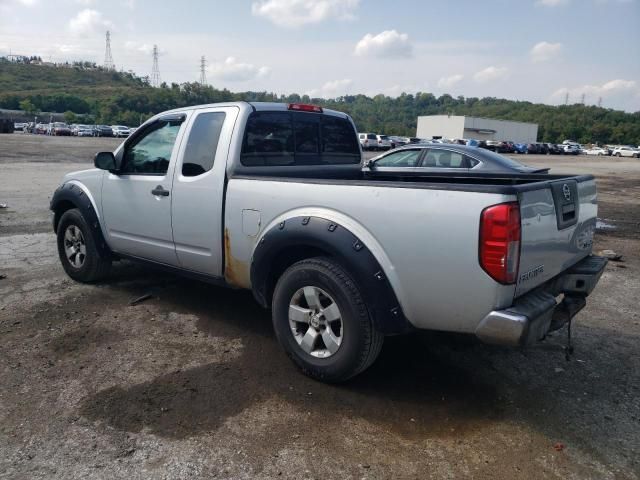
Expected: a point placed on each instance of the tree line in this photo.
(123, 98)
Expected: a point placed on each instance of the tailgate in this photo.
(558, 223)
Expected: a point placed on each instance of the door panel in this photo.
(138, 222)
(198, 190)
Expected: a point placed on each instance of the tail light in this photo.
(304, 107)
(500, 241)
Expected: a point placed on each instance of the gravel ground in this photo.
(192, 384)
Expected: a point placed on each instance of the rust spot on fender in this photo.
(236, 272)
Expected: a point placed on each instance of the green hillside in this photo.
(115, 97)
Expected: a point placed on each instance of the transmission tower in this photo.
(155, 71)
(599, 101)
(203, 71)
(566, 98)
(108, 59)
(582, 99)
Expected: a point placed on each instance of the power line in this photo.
(155, 71)
(203, 71)
(108, 59)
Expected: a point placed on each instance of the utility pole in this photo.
(155, 71)
(108, 59)
(203, 71)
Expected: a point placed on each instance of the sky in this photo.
(534, 50)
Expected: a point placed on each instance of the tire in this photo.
(86, 265)
(359, 342)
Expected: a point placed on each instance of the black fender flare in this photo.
(338, 242)
(70, 195)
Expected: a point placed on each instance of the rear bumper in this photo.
(537, 313)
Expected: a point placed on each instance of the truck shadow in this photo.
(410, 389)
(423, 385)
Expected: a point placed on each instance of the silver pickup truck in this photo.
(272, 197)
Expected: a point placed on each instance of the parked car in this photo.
(443, 158)
(384, 143)
(102, 131)
(599, 151)
(84, 131)
(340, 260)
(533, 148)
(397, 141)
(626, 151)
(554, 149)
(120, 131)
(493, 145)
(571, 149)
(59, 129)
(543, 149)
(41, 128)
(368, 141)
(520, 148)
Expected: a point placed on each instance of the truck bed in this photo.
(424, 231)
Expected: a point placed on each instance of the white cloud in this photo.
(295, 13)
(612, 87)
(389, 43)
(450, 81)
(552, 3)
(545, 51)
(491, 73)
(619, 90)
(89, 22)
(332, 89)
(234, 71)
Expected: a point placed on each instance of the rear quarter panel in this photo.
(426, 240)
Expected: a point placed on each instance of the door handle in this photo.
(159, 191)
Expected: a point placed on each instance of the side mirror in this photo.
(105, 161)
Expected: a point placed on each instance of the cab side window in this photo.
(200, 151)
(150, 153)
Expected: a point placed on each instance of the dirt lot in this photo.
(191, 384)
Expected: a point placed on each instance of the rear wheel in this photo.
(321, 320)
(77, 249)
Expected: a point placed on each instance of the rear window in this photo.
(372, 136)
(294, 138)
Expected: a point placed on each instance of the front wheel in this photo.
(321, 320)
(77, 249)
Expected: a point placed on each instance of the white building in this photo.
(458, 126)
